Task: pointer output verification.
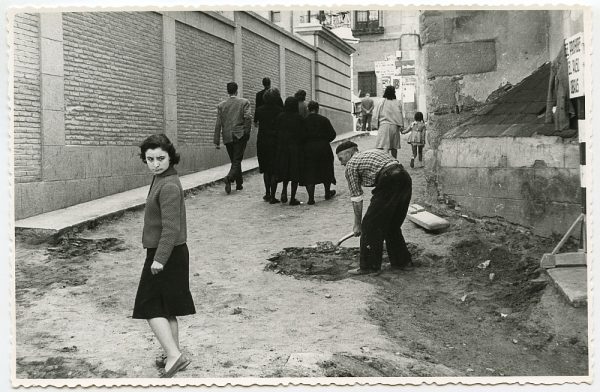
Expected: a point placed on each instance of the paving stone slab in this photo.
(572, 283)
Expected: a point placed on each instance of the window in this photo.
(367, 83)
(368, 22)
(275, 16)
(312, 17)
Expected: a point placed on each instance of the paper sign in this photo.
(574, 49)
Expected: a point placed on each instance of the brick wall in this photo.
(27, 108)
(204, 67)
(297, 74)
(113, 77)
(260, 58)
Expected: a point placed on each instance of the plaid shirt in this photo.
(362, 170)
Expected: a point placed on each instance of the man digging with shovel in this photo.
(388, 208)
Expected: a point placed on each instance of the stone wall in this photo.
(88, 87)
(474, 52)
(530, 181)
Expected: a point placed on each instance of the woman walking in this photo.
(389, 121)
(318, 157)
(290, 155)
(301, 97)
(163, 292)
(266, 141)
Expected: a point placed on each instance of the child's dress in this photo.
(417, 134)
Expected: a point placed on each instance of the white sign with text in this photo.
(574, 50)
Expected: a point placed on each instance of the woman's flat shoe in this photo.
(294, 202)
(179, 365)
(274, 201)
(161, 361)
(330, 194)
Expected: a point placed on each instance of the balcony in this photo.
(367, 29)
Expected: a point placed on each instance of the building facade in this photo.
(90, 86)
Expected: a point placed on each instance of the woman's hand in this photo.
(156, 267)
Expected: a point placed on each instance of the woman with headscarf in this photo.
(290, 155)
(266, 141)
(389, 121)
(301, 97)
(318, 157)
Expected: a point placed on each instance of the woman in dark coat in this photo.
(290, 155)
(266, 141)
(163, 292)
(318, 157)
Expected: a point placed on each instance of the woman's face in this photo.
(157, 160)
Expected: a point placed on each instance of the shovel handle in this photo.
(344, 238)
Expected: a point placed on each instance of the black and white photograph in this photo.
(276, 195)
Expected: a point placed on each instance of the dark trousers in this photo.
(383, 220)
(366, 122)
(235, 150)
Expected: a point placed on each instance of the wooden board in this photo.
(573, 259)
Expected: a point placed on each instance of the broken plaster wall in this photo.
(475, 52)
(531, 181)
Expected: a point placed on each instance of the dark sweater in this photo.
(165, 223)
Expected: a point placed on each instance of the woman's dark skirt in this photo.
(167, 293)
(266, 146)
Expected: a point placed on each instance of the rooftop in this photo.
(520, 112)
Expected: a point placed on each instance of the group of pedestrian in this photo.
(292, 142)
(291, 148)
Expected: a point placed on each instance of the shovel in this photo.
(344, 238)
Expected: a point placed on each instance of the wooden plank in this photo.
(573, 259)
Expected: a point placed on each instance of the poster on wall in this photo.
(409, 89)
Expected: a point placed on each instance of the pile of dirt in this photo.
(509, 279)
(66, 264)
(346, 365)
(64, 367)
(324, 261)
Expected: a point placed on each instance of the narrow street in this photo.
(446, 318)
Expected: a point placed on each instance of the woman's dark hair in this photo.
(291, 105)
(300, 95)
(271, 96)
(390, 92)
(159, 140)
(418, 116)
(313, 106)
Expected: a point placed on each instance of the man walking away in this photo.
(388, 208)
(234, 122)
(367, 112)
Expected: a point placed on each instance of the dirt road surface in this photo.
(263, 311)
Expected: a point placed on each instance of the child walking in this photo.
(416, 138)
